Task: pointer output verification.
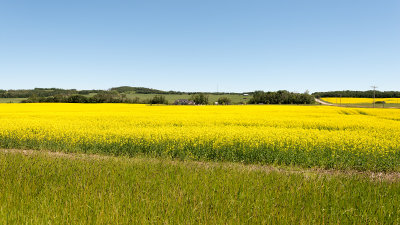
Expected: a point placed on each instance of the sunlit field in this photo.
(11, 100)
(361, 100)
(308, 136)
(55, 189)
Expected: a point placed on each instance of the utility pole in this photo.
(374, 87)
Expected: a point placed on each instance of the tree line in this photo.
(43, 92)
(119, 95)
(48, 92)
(358, 94)
(258, 97)
(281, 97)
(115, 97)
(101, 97)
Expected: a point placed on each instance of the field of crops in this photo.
(309, 136)
(360, 100)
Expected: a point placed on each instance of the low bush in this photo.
(224, 101)
(158, 99)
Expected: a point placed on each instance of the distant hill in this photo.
(47, 92)
(138, 90)
(42, 92)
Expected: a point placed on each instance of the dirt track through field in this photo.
(308, 172)
(324, 103)
(348, 105)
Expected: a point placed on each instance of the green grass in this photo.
(235, 98)
(42, 188)
(171, 98)
(11, 100)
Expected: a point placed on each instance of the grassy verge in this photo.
(11, 100)
(42, 188)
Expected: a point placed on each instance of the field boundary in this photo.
(350, 105)
(307, 172)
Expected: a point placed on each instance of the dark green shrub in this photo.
(199, 99)
(281, 97)
(76, 99)
(224, 101)
(158, 99)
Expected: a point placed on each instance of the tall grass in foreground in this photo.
(43, 189)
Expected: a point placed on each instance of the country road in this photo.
(324, 103)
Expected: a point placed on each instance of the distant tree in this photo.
(259, 97)
(106, 97)
(59, 98)
(158, 99)
(77, 99)
(101, 97)
(281, 97)
(224, 101)
(358, 94)
(199, 99)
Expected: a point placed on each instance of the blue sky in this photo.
(199, 45)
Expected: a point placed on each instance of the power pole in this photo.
(374, 87)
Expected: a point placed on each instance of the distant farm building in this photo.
(183, 102)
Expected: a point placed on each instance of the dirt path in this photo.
(324, 103)
(308, 172)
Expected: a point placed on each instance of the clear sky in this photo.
(201, 45)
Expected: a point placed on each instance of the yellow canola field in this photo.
(332, 137)
(360, 100)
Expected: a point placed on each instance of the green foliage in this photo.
(101, 97)
(158, 99)
(11, 100)
(123, 94)
(106, 97)
(358, 94)
(42, 92)
(171, 98)
(200, 99)
(75, 99)
(141, 90)
(281, 97)
(224, 101)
